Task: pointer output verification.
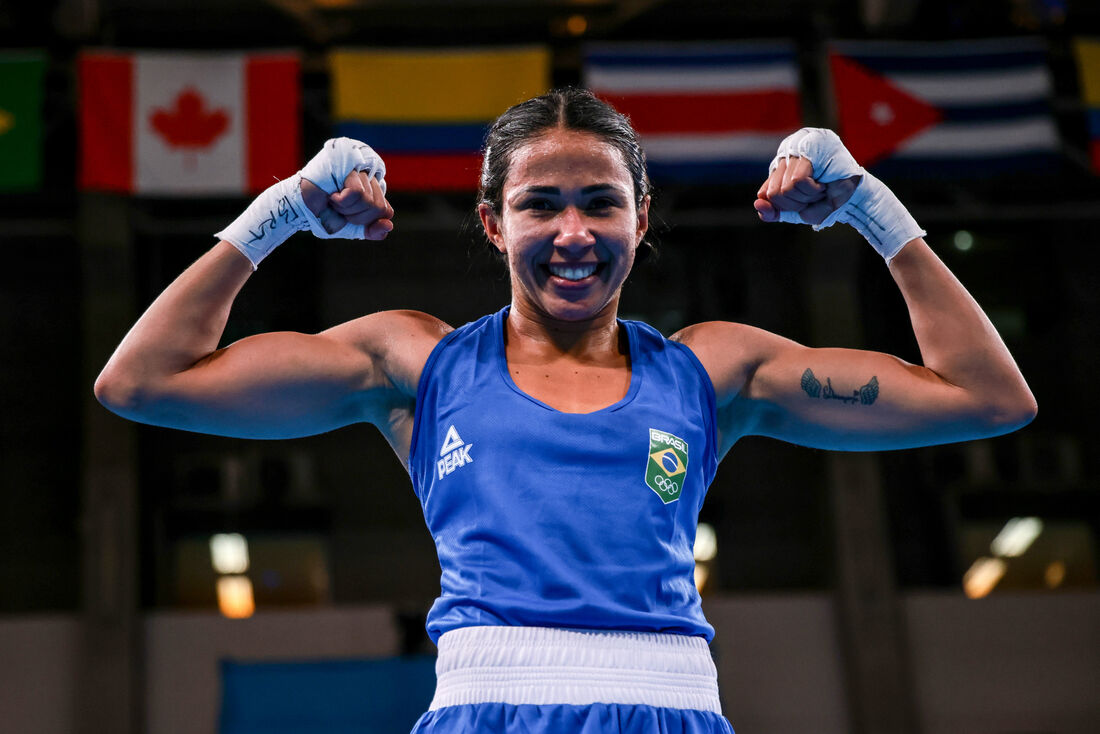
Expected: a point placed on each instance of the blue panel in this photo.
(936, 63)
(946, 56)
(891, 169)
(1094, 121)
(713, 172)
(412, 138)
(995, 112)
(700, 55)
(960, 167)
(334, 696)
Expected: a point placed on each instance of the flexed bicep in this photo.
(274, 385)
(857, 400)
(844, 399)
(287, 384)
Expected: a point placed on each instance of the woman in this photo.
(562, 455)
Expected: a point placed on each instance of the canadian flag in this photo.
(188, 124)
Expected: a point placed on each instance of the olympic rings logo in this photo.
(666, 484)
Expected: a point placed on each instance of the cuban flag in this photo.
(945, 109)
(705, 112)
(188, 123)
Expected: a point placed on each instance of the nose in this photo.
(573, 232)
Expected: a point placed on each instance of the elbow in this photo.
(117, 393)
(1015, 414)
(1027, 412)
(1024, 409)
(1030, 410)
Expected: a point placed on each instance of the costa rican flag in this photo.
(705, 112)
(945, 109)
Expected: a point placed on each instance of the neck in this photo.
(529, 329)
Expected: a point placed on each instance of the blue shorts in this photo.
(597, 718)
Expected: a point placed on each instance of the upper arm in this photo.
(286, 384)
(830, 398)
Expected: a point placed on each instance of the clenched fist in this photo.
(361, 201)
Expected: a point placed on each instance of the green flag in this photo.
(21, 121)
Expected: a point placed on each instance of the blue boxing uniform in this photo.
(562, 531)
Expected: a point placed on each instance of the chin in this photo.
(579, 311)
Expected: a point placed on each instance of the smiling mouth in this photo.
(575, 272)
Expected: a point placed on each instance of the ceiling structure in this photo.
(322, 22)
(63, 26)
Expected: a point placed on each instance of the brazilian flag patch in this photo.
(667, 467)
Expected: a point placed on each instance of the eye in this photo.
(601, 203)
(539, 205)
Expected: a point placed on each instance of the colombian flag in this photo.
(705, 112)
(1087, 51)
(427, 111)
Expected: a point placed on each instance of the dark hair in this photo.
(568, 108)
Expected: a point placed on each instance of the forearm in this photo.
(182, 326)
(957, 340)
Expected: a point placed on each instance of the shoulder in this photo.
(397, 342)
(730, 352)
(365, 331)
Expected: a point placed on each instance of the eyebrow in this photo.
(555, 190)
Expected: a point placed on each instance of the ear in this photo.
(491, 225)
(643, 220)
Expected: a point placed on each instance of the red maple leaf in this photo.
(188, 123)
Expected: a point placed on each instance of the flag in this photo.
(188, 124)
(21, 121)
(954, 108)
(1087, 51)
(705, 112)
(427, 112)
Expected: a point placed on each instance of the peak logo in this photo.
(667, 466)
(454, 453)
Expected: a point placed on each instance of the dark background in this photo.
(331, 519)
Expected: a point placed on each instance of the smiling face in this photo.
(568, 225)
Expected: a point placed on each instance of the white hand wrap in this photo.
(280, 211)
(873, 209)
(269, 221)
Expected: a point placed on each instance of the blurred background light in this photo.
(702, 573)
(963, 240)
(982, 576)
(706, 542)
(235, 599)
(229, 553)
(1054, 574)
(1016, 537)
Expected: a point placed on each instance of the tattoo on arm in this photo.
(865, 395)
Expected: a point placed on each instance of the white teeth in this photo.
(575, 273)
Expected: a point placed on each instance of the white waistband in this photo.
(542, 665)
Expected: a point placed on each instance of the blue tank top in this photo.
(550, 519)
